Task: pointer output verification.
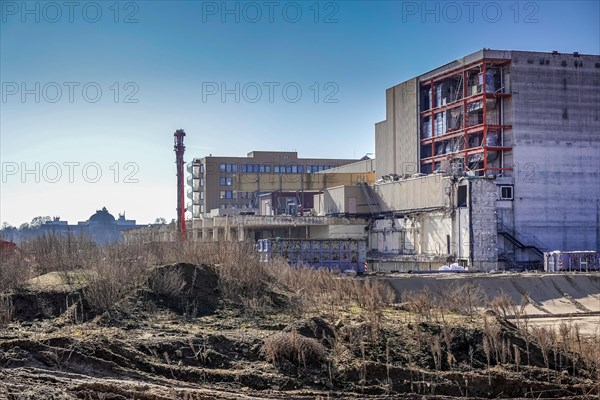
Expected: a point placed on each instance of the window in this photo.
(267, 169)
(300, 169)
(201, 195)
(294, 169)
(461, 196)
(201, 181)
(228, 167)
(261, 169)
(226, 194)
(256, 168)
(201, 168)
(288, 169)
(276, 168)
(225, 181)
(244, 168)
(506, 192)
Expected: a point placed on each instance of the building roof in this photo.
(102, 217)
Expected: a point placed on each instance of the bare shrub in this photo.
(374, 296)
(492, 331)
(503, 305)
(420, 303)
(517, 356)
(448, 333)
(242, 277)
(15, 270)
(544, 341)
(464, 298)
(436, 350)
(6, 309)
(295, 348)
(57, 252)
(114, 276)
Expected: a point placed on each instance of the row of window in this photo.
(230, 194)
(233, 206)
(277, 169)
(228, 168)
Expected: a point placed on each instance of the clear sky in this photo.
(92, 92)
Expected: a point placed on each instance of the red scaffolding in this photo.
(466, 138)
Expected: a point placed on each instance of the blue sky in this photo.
(161, 66)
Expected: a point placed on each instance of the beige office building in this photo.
(211, 178)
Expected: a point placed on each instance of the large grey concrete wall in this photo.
(396, 138)
(384, 154)
(483, 224)
(556, 130)
(406, 127)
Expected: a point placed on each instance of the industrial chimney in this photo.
(179, 150)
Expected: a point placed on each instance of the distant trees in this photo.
(36, 222)
(9, 232)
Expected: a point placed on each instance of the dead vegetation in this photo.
(294, 348)
(212, 316)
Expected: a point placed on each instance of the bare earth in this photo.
(151, 351)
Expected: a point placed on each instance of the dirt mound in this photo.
(60, 281)
(29, 305)
(185, 288)
(49, 295)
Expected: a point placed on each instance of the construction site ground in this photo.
(153, 351)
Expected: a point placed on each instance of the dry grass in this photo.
(54, 252)
(114, 275)
(292, 347)
(15, 270)
(6, 310)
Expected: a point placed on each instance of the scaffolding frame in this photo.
(463, 75)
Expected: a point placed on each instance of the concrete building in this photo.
(488, 161)
(422, 222)
(528, 120)
(211, 178)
